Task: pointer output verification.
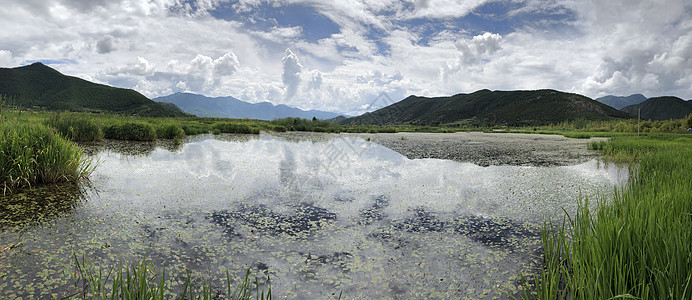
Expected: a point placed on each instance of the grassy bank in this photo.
(33, 154)
(636, 245)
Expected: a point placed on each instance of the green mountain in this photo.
(620, 102)
(485, 107)
(661, 108)
(38, 86)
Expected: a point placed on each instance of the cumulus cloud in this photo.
(315, 81)
(472, 52)
(291, 73)
(141, 67)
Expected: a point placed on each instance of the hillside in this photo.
(229, 107)
(38, 86)
(661, 108)
(619, 102)
(485, 107)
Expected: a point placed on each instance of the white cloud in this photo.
(161, 46)
(291, 73)
(6, 59)
(444, 8)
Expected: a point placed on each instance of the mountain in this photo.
(229, 107)
(661, 108)
(620, 101)
(38, 86)
(485, 107)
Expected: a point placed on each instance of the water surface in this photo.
(319, 214)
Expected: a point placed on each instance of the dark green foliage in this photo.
(42, 88)
(235, 128)
(489, 108)
(689, 121)
(132, 131)
(169, 131)
(661, 108)
(76, 127)
(32, 154)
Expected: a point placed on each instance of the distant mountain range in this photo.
(38, 86)
(661, 108)
(485, 107)
(229, 107)
(619, 102)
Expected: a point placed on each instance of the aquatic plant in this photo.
(32, 154)
(170, 131)
(143, 280)
(78, 128)
(634, 246)
(132, 131)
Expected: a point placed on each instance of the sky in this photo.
(352, 56)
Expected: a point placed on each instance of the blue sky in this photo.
(340, 55)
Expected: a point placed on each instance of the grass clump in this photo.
(32, 154)
(132, 131)
(636, 245)
(143, 280)
(227, 127)
(75, 127)
(170, 131)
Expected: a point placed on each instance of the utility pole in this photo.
(639, 116)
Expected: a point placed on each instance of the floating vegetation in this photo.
(38, 205)
(304, 219)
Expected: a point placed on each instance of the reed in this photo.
(76, 127)
(142, 280)
(32, 154)
(634, 246)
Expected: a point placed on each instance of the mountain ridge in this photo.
(231, 107)
(619, 102)
(661, 108)
(485, 107)
(38, 86)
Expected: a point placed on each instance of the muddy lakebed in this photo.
(454, 215)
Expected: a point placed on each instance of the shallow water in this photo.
(319, 214)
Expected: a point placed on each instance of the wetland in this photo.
(401, 215)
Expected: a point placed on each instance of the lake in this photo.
(320, 214)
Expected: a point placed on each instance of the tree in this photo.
(689, 121)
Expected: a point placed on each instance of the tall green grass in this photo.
(143, 280)
(132, 131)
(634, 246)
(32, 154)
(76, 127)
